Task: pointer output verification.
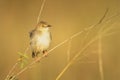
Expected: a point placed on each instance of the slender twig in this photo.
(84, 48)
(101, 20)
(11, 71)
(74, 58)
(100, 60)
(78, 54)
(14, 66)
(39, 58)
(87, 45)
(68, 50)
(41, 10)
(100, 48)
(100, 35)
(38, 18)
(26, 49)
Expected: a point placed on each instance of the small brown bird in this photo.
(40, 39)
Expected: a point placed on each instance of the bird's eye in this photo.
(44, 25)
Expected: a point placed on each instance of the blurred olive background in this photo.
(18, 17)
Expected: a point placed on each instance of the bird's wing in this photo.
(50, 36)
(31, 33)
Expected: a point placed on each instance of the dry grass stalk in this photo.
(68, 51)
(41, 10)
(100, 56)
(65, 41)
(86, 46)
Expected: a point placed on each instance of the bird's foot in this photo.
(36, 59)
(45, 53)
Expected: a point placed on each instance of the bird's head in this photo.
(43, 26)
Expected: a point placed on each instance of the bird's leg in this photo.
(45, 53)
(33, 54)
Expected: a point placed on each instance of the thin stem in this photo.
(39, 58)
(68, 50)
(41, 10)
(14, 66)
(84, 48)
(80, 52)
(26, 49)
(11, 71)
(100, 57)
(101, 20)
(74, 58)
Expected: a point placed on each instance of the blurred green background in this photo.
(18, 17)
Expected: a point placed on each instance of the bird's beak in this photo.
(49, 26)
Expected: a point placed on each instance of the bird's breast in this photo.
(41, 41)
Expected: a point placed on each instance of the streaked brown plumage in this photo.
(40, 38)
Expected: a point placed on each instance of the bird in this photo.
(40, 38)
